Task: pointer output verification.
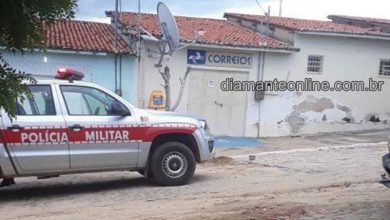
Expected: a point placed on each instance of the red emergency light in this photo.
(69, 74)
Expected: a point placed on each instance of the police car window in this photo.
(98, 107)
(76, 104)
(86, 101)
(40, 103)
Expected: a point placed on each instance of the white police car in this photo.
(71, 126)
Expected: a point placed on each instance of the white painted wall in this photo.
(178, 63)
(345, 59)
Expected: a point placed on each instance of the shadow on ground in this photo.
(28, 190)
(36, 189)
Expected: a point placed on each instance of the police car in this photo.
(70, 126)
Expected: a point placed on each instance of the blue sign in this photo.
(219, 58)
(196, 57)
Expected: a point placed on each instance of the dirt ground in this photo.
(331, 176)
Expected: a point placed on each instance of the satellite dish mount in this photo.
(169, 42)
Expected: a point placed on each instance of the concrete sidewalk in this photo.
(309, 141)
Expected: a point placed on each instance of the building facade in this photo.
(328, 52)
(84, 46)
(223, 50)
(240, 48)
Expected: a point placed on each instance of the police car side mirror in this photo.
(118, 109)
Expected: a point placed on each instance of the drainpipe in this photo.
(141, 67)
(120, 75)
(116, 24)
(260, 77)
(116, 72)
(115, 45)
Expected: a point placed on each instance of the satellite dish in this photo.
(169, 30)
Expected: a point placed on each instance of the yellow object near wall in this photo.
(157, 100)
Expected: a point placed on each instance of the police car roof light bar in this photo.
(69, 74)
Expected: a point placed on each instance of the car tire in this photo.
(172, 164)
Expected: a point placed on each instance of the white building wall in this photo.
(294, 113)
(178, 63)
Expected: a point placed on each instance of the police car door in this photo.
(99, 135)
(37, 138)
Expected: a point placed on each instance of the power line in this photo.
(258, 4)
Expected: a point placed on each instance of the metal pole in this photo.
(139, 29)
(280, 7)
(116, 24)
(115, 45)
(269, 11)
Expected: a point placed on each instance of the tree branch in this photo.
(183, 82)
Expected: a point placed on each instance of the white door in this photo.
(98, 137)
(223, 110)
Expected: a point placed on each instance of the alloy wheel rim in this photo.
(174, 164)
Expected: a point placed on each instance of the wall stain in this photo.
(314, 104)
(348, 118)
(295, 121)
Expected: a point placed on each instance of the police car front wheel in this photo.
(172, 163)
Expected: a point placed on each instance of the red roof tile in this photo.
(83, 36)
(305, 25)
(216, 31)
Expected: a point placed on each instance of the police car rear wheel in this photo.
(173, 163)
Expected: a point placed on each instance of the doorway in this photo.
(223, 110)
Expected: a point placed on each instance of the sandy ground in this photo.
(333, 176)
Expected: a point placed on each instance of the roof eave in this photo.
(235, 47)
(87, 52)
(246, 48)
(331, 17)
(75, 51)
(339, 34)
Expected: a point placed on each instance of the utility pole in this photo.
(269, 12)
(116, 24)
(280, 7)
(115, 46)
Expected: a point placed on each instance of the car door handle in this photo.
(15, 128)
(76, 127)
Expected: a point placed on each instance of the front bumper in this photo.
(386, 164)
(205, 142)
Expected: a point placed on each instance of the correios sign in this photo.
(218, 58)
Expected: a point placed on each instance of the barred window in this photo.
(384, 68)
(315, 64)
